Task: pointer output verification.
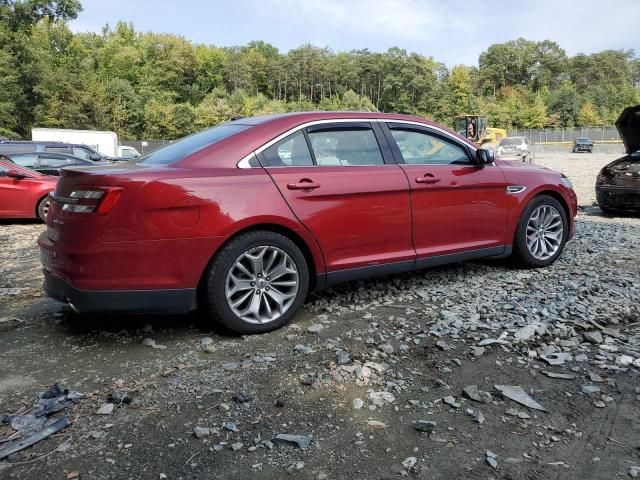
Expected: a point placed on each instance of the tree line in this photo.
(162, 86)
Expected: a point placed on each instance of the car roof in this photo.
(262, 129)
(303, 117)
(286, 121)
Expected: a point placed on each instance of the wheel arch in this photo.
(314, 264)
(558, 196)
(532, 196)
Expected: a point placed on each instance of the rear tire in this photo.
(541, 233)
(241, 294)
(43, 208)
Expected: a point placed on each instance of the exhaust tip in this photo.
(73, 307)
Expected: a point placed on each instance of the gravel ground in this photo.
(360, 374)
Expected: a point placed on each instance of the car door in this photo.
(348, 194)
(14, 194)
(457, 207)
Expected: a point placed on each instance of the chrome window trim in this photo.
(244, 162)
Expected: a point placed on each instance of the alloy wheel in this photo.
(262, 284)
(45, 209)
(545, 231)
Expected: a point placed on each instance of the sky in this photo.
(453, 32)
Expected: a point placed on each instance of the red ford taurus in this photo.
(24, 193)
(245, 218)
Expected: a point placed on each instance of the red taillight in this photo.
(100, 200)
(109, 200)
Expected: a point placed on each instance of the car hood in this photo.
(628, 125)
(524, 165)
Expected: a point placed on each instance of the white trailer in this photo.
(105, 142)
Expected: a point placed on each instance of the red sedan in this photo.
(245, 218)
(24, 193)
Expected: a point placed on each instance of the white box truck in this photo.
(105, 142)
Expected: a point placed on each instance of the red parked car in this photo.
(24, 193)
(245, 218)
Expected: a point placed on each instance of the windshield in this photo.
(583, 140)
(188, 145)
(511, 141)
(459, 125)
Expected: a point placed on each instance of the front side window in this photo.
(291, 151)
(423, 148)
(345, 147)
(53, 162)
(81, 153)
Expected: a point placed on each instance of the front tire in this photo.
(43, 208)
(542, 232)
(256, 283)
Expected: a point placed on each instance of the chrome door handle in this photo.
(303, 184)
(428, 178)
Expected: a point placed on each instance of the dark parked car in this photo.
(618, 183)
(77, 150)
(50, 163)
(245, 218)
(583, 145)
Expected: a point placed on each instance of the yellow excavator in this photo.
(474, 127)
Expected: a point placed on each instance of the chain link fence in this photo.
(145, 146)
(569, 134)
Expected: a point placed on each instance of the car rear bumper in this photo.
(131, 301)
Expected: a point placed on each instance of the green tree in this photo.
(564, 104)
(588, 115)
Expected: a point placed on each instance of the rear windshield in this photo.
(583, 140)
(188, 145)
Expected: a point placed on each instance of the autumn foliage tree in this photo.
(159, 85)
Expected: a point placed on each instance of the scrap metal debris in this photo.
(517, 394)
(30, 427)
(7, 323)
(300, 441)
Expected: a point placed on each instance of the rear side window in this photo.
(291, 151)
(186, 146)
(422, 148)
(54, 162)
(25, 160)
(345, 147)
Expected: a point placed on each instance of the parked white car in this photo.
(517, 147)
(128, 153)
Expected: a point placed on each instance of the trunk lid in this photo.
(628, 125)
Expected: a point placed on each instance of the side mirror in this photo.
(15, 174)
(95, 158)
(483, 157)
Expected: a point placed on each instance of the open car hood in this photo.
(628, 125)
